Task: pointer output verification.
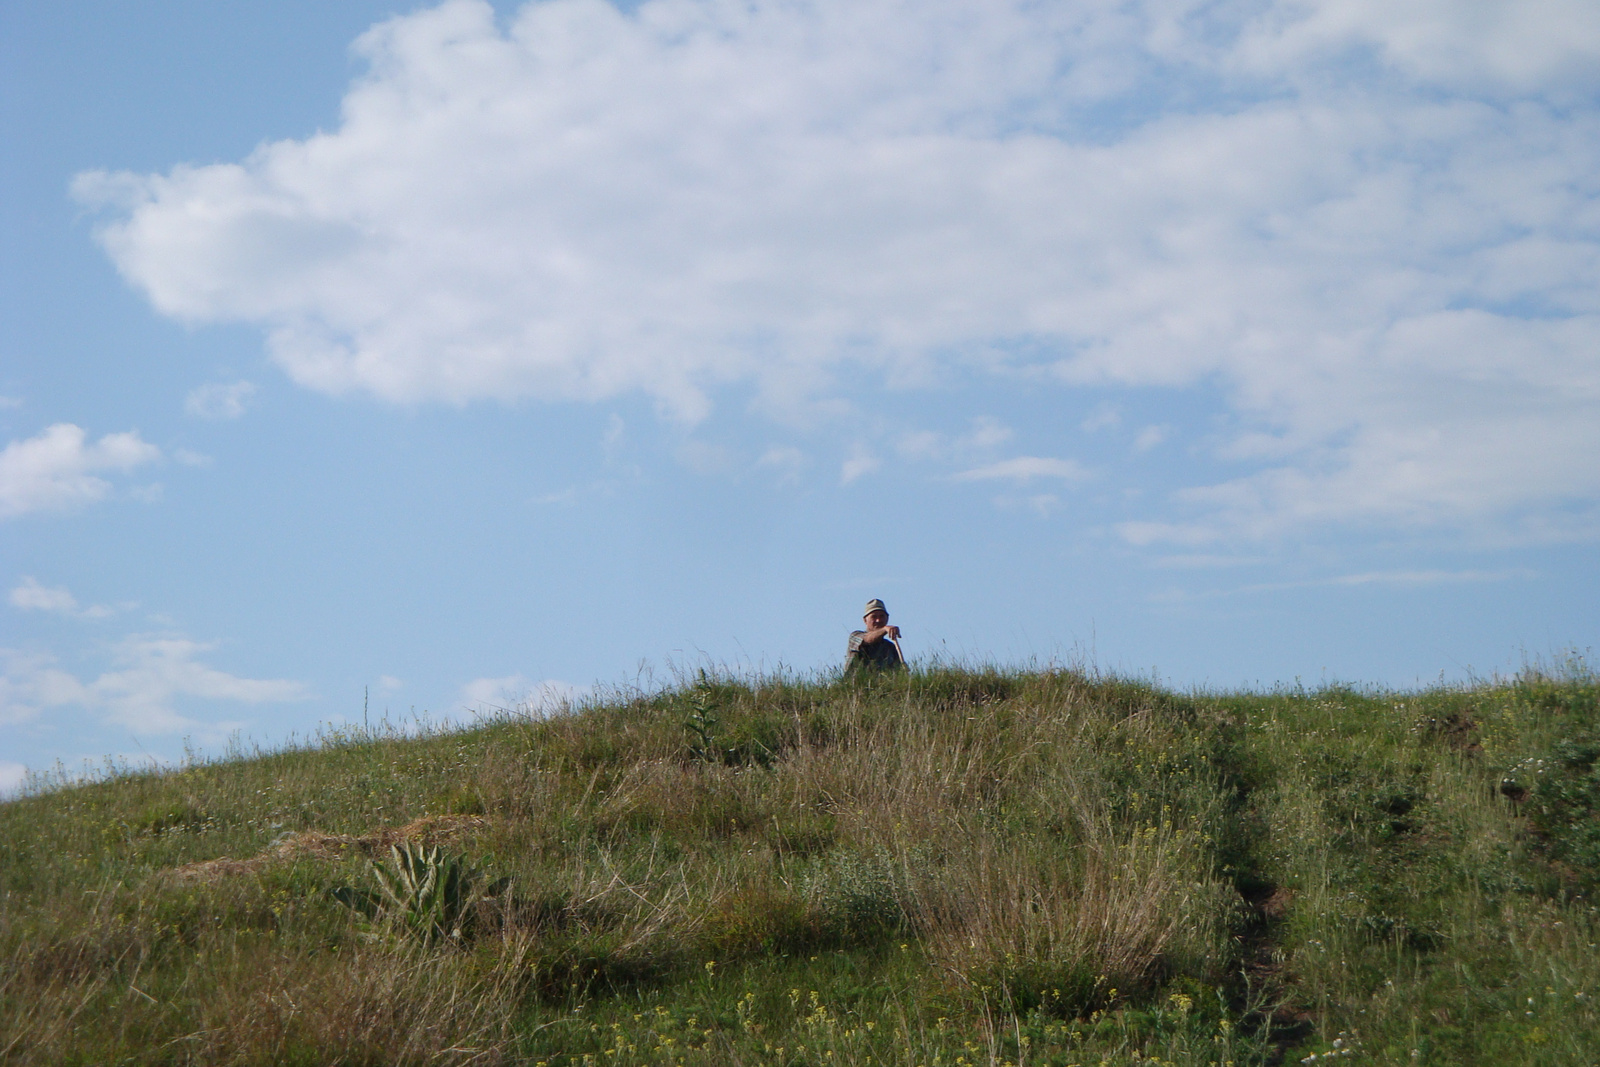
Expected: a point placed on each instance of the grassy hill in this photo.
(954, 867)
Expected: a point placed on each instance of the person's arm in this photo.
(871, 637)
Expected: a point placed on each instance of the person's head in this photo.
(876, 616)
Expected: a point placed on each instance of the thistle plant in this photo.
(703, 724)
(428, 893)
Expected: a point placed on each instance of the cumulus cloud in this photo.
(55, 470)
(151, 674)
(219, 400)
(1373, 229)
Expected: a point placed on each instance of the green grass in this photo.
(949, 867)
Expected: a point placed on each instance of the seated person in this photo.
(877, 647)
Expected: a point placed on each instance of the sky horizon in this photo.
(450, 355)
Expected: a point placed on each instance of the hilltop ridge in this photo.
(950, 866)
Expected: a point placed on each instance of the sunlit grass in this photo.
(952, 867)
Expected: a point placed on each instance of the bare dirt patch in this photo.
(314, 844)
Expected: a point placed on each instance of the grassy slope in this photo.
(955, 867)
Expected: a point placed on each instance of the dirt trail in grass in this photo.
(1285, 1023)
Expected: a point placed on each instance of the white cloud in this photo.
(157, 669)
(987, 432)
(980, 442)
(1025, 469)
(1206, 561)
(1105, 414)
(1149, 438)
(30, 682)
(921, 444)
(786, 460)
(12, 775)
(52, 472)
(192, 459)
(388, 683)
(29, 595)
(1430, 577)
(1461, 43)
(1400, 578)
(150, 674)
(1042, 504)
(219, 400)
(1377, 242)
(518, 693)
(860, 464)
(615, 438)
(489, 693)
(703, 457)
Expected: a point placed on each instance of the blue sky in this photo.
(470, 354)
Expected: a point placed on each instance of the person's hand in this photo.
(892, 631)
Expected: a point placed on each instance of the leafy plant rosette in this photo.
(428, 893)
(1565, 808)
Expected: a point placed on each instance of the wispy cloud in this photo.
(1205, 561)
(786, 460)
(861, 463)
(31, 595)
(1104, 415)
(219, 400)
(1025, 469)
(520, 694)
(55, 470)
(985, 434)
(1429, 577)
(1150, 437)
(1042, 504)
(191, 458)
(151, 674)
(1401, 578)
(705, 457)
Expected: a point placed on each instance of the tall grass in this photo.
(951, 866)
